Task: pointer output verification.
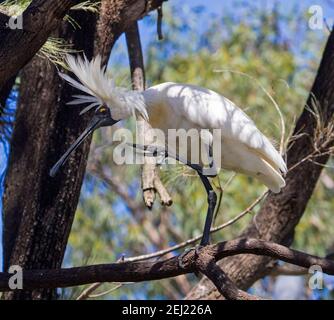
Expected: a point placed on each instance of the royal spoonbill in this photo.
(170, 105)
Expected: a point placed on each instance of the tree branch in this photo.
(288, 270)
(208, 266)
(190, 241)
(204, 262)
(43, 16)
(119, 16)
(280, 213)
(136, 59)
(39, 19)
(36, 231)
(151, 182)
(3, 20)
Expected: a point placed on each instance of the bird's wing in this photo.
(210, 110)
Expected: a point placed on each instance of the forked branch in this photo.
(204, 262)
(151, 182)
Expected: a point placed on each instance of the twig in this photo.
(136, 209)
(288, 270)
(159, 23)
(278, 109)
(193, 240)
(107, 291)
(144, 271)
(86, 293)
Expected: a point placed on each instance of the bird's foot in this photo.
(182, 255)
(121, 258)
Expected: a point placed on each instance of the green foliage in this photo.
(54, 49)
(105, 226)
(14, 7)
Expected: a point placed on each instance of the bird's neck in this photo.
(137, 103)
(129, 103)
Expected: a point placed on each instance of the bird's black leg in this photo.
(213, 173)
(212, 201)
(211, 194)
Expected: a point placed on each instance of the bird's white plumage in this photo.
(101, 89)
(208, 109)
(244, 148)
(172, 106)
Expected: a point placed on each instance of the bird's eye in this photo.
(102, 110)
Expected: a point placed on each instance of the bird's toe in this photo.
(183, 255)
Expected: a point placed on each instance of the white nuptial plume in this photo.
(101, 89)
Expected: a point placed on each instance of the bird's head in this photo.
(101, 118)
(111, 103)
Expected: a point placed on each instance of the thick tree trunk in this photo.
(39, 210)
(7, 87)
(281, 212)
(39, 20)
(4, 93)
(5, 127)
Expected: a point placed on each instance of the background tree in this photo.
(35, 205)
(262, 55)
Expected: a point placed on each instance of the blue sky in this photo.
(212, 7)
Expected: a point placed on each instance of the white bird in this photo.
(170, 105)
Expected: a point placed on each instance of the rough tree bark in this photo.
(5, 91)
(7, 87)
(280, 213)
(38, 210)
(204, 261)
(150, 178)
(120, 16)
(42, 17)
(4, 94)
(39, 19)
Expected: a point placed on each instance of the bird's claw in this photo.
(122, 258)
(182, 255)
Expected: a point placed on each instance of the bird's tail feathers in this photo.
(271, 177)
(272, 157)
